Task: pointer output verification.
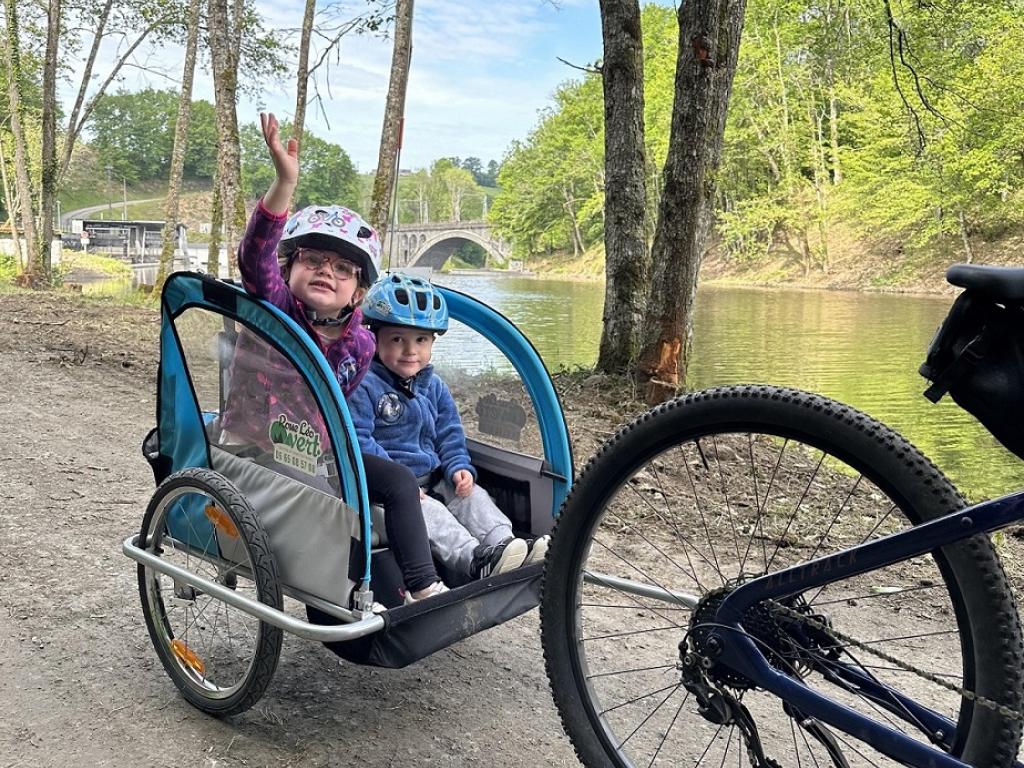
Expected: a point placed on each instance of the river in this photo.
(862, 349)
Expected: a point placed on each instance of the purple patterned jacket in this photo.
(263, 385)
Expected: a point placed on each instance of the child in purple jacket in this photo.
(316, 267)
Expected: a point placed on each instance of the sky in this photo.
(481, 71)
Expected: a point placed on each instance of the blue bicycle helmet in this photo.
(397, 299)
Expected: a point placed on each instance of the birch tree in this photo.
(391, 133)
(171, 206)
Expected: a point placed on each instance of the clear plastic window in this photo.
(256, 404)
(492, 399)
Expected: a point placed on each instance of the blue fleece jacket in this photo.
(415, 423)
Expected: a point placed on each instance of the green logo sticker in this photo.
(296, 445)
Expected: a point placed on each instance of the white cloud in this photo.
(480, 72)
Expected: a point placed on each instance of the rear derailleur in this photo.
(720, 707)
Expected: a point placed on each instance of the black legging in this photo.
(394, 486)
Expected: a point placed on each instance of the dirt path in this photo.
(80, 684)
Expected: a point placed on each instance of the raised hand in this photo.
(286, 163)
(285, 157)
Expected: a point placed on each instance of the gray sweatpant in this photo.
(457, 527)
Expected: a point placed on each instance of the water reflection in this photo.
(862, 349)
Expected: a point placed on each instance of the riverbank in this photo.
(881, 265)
(864, 264)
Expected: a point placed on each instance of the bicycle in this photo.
(753, 575)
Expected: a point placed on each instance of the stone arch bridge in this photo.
(431, 245)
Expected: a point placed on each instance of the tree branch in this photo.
(594, 69)
(73, 125)
(75, 128)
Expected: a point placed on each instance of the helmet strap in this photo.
(330, 322)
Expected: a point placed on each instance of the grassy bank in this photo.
(864, 264)
(854, 263)
(589, 265)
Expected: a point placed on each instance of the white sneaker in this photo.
(437, 588)
(538, 550)
(498, 558)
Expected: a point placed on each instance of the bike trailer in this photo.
(256, 505)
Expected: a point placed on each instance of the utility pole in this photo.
(124, 199)
(110, 207)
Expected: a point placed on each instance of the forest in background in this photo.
(851, 123)
(132, 135)
(848, 118)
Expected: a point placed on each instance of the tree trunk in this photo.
(216, 225)
(968, 251)
(833, 130)
(787, 164)
(48, 187)
(834, 30)
(12, 59)
(806, 253)
(225, 46)
(391, 133)
(821, 186)
(569, 195)
(627, 261)
(178, 153)
(302, 78)
(709, 41)
(8, 197)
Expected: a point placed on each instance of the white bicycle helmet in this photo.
(334, 228)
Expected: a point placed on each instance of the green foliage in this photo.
(484, 177)
(429, 195)
(326, 176)
(552, 183)
(133, 134)
(8, 269)
(95, 262)
(824, 126)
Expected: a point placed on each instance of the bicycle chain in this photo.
(995, 706)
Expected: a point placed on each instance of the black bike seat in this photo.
(999, 283)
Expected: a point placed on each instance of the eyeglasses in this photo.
(343, 270)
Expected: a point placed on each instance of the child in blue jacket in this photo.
(404, 412)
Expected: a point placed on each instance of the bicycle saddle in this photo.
(999, 283)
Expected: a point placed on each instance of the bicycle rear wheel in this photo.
(712, 489)
(221, 658)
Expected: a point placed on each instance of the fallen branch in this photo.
(16, 321)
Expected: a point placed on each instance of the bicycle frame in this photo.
(740, 653)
